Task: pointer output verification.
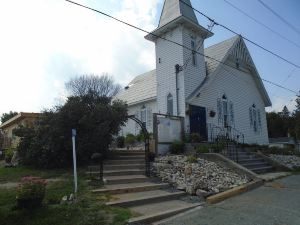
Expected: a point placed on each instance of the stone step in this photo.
(124, 166)
(158, 211)
(129, 157)
(132, 187)
(263, 169)
(122, 162)
(254, 165)
(145, 197)
(255, 160)
(126, 179)
(119, 172)
(128, 152)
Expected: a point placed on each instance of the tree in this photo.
(103, 86)
(285, 113)
(96, 120)
(6, 116)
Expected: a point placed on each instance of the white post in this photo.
(74, 161)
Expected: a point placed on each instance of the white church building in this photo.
(215, 86)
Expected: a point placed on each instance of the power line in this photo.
(280, 17)
(247, 39)
(168, 40)
(262, 24)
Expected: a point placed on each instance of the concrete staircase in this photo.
(149, 199)
(250, 160)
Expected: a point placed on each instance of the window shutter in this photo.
(149, 118)
(254, 120)
(250, 117)
(219, 106)
(231, 113)
(259, 119)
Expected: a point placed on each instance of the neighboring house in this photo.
(284, 142)
(22, 119)
(206, 92)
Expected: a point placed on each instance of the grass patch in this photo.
(15, 174)
(89, 209)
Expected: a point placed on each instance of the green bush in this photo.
(217, 147)
(195, 138)
(187, 138)
(31, 192)
(96, 119)
(202, 149)
(120, 142)
(192, 159)
(9, 154)
(177, 147)
(130, 139)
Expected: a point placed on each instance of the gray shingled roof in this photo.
(218, 51)
(141, 88)
(173, 9)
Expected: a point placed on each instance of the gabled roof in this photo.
(218, 52)
(142, 88)
(17, 118)
(173, 9)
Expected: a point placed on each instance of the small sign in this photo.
(73, 133)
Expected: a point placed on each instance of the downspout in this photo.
(177, 70)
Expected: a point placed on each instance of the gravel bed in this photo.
(290, 161)
(201, 178)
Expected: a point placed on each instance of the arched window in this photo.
(170, 104)
(225, 111)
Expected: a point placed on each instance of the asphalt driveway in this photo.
(275, 203)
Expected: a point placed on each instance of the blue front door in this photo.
(198, 121)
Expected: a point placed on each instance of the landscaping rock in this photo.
(290, 161)
(205, 176)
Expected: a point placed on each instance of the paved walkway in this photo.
(275, 203)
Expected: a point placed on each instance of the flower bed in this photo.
(31, 192)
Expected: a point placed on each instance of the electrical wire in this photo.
(247, 39)
(262, 24)
(176, 43)
(280, 17)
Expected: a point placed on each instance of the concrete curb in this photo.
(234, 191)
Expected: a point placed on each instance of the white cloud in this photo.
(280, 102)
(44, 43)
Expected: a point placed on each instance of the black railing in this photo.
(147, 143)
(225, 140)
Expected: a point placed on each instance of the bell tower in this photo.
(179, 70)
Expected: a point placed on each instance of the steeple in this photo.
(175, 8)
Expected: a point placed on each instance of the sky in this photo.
(44, 43)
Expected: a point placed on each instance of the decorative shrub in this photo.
(9, 154)
(187, 138)
(130, 139)
(120, 142)
(202, 149)
(31, 192)
(177, 147)
(192, 159)
(217, 147)
(195, 138)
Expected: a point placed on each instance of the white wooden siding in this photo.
(241, 89)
